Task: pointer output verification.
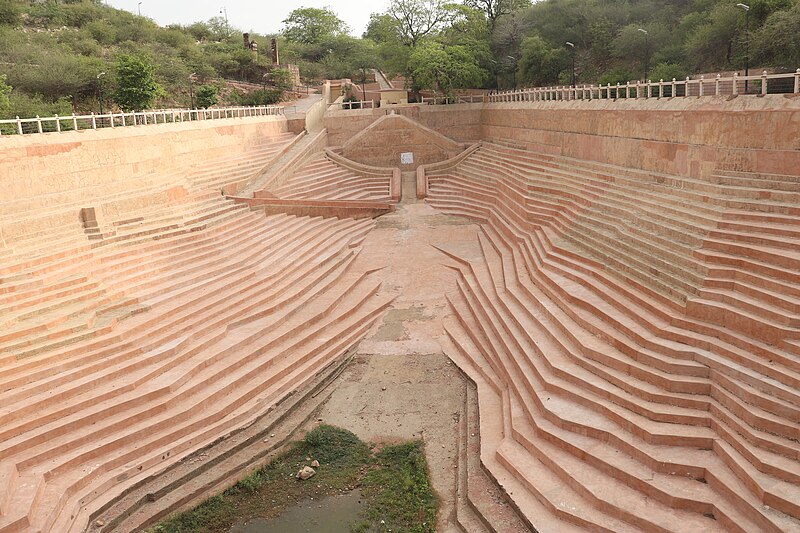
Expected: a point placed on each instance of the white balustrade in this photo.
(141, 118)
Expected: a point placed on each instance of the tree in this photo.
(207, 95)
(494, 9)
(5, 91)
(778, 41)
(444, 68)
(282, 78)
(136, 84)
(417, 18)
(310, 25)
(540, 64)
(9, 13)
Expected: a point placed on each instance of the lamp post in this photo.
(746, 10)
(513, 70)
(646, 54)
(191, 87)
(224, 11)
(572, 45)
(100, 90)
(139, 7)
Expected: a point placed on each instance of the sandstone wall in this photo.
(77, 163)
(683, 136)
(461, 122)
(382, 143)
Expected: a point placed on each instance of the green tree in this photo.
(281, 78)
(207, 95)
(136, 84)
(777, 42)
(444, 68)
(9, 13)
(540, 64)
(5, 91)
(494, 9)
(417, 19)
(310, 25)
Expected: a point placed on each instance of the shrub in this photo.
(136, 84)
(262, 97)
(9, 13)
(207, 95)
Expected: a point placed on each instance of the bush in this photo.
(9, 13)
(262, 97)
(207, 95)
(136, 84)
(23, 106)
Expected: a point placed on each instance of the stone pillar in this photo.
(275, 59)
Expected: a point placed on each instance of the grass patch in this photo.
(398, 492)
(394, 483)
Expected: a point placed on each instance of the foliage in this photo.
(261, 97)
(5, 90)
(282, 78)
(445, 68)
(9, 13)
(136, 84)
(207, 95)
(395, 480)
(416, 19)
(541, 64)
(312, 25)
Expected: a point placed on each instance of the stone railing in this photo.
(464, 99)
(74, 122)
(718, 86)
(360, 104)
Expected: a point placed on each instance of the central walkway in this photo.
(401, 385)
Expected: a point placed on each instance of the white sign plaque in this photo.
(407, 158)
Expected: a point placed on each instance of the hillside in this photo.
(53, 52)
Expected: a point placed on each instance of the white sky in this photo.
(263, 16)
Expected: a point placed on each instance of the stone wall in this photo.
(461, 122)
(80, 164)
(683, 136)
(382, 143)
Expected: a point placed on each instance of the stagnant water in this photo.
(331, 514)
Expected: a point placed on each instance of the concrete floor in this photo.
(400, 384)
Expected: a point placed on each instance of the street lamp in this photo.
(572, 45)
(646, 54)
(191, 87)
(100, 90)
(224, 11)
(139, 6)
(513, 70)
(746, 9)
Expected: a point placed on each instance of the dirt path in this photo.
(400, 384)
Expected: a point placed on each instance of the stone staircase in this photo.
(123, 354)
(632, 337)
(324, 179)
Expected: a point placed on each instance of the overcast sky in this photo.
(262, 16)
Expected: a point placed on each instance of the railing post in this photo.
(702, 79)
(764, 82)
(628, 89)
(661, 88)
(58, 124)
(716, 85)
(19, 125)
(38, 124)
(111, 117)
(735, 83)
(74, 122)
(674, 88)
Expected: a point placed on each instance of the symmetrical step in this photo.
(324, 179)
(121, 355)
(623, 402)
